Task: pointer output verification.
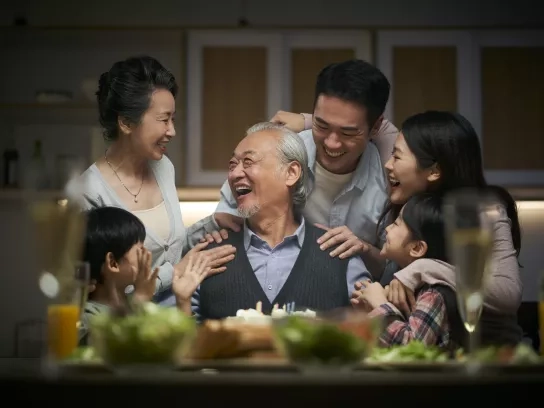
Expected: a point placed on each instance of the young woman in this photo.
(136, 103)
(440, 152)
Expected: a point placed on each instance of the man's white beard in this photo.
(247, 212)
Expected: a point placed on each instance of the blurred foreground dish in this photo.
(145, 334)
(247, 334)
(342, 340)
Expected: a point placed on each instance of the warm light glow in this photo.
(530, 205)
(193, 211)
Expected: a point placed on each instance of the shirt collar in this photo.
(251, 238)
(362, 171)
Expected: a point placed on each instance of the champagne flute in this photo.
(469, 218)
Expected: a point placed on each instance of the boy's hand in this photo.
(146, 280)
(186, 281)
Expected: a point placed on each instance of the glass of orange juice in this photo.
(64, 310)
(59, 233)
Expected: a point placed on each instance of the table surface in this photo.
(27, 382)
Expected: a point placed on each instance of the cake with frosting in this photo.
(243, 335)
(256, 316)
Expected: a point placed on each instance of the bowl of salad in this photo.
(147, 334)
(340, 340)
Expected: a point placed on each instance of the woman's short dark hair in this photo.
(423, 216)
(125, 91)
(110, 229)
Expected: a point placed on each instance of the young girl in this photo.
(416, 234)
(114, 249)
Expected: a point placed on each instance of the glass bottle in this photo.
(11, 166)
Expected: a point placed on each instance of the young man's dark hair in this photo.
(355, 81)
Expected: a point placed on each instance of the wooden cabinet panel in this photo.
(425, 78)
(305, 66)
(493, 78)
(236, 78)
(513, 107)
(233, 99)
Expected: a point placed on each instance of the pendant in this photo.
(135, 200)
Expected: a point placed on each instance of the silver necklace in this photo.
(119, 178)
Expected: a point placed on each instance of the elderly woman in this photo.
(136, 103)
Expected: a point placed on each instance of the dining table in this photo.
(32, 381)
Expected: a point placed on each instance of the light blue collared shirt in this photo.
(272, 266)
(358, 205)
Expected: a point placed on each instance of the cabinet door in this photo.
(237, 78)
(508, 69)
(428, 69)
(234, 81)
(306, 53)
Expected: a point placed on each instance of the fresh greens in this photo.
(525, 354)
(313, 341)
(411, 352)
(416, 351)
(521, 354)
(150, 334)
(85, 354)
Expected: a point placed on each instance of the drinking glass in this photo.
(59, 228)
(470, 221)
(64, 310)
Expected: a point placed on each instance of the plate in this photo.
(238, 365)
(425, 366)
(82, 367)
(450, 366)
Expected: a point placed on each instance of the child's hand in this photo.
(401, 296)
(186, 281)
(146, 280)
(371, 295)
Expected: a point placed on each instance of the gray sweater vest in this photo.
(317, 281)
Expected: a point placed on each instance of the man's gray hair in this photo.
(291, 148)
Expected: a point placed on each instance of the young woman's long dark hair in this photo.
(448, 140)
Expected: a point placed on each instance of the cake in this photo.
(256, 316)
(243, 335)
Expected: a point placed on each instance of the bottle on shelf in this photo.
(11, 166)
(36, 171)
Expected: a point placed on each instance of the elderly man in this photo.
(278, 259)
(348, 189)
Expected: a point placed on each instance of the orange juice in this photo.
(62, 329)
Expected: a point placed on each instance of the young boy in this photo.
(114, 249)
(117, 258)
